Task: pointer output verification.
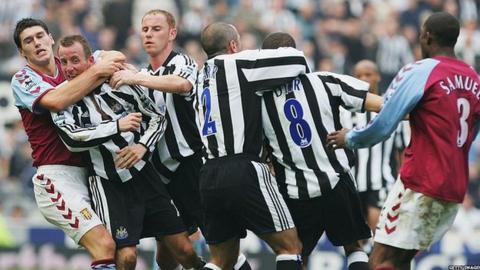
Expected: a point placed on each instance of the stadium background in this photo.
(334, 34)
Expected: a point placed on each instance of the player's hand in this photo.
(336, 139)
(129, 156)
(114, 56)
(122, 77)
(108, 63)
(130, 67)
(131, 122)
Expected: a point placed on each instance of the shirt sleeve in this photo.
(28, 88)
(78, 138)
(403, 94)
(185, 67)
(349, 92)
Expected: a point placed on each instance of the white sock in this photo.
(240, 261)
(212, 266)
(289, 257)
(357, 256)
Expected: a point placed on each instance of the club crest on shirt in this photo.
(121, 233)
(86, 213)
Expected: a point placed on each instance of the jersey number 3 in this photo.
(300, 131)
(209, 127)
(464, 110)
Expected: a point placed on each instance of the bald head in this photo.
(216, 38)
(277, 40)
(367, 70)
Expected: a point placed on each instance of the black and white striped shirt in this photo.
(228, 110)
(181, 137)
(376, 167)
(92, 125)
(296, 120)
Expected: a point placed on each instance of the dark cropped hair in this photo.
(24, 24)
(444, 28)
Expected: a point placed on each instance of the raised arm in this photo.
(69, 93)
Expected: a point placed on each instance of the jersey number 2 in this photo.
(463, 107)
(209, 126)
(299, 129)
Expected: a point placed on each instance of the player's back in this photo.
(443, 127)
(297, 117)
(227, 106)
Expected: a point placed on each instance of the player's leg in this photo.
(182, 250)
(224, 255)
(164, 257)
(99, 243)
(266, 214)
(309, 227)
(344, 221)
(126, 258)
(63, 198)
(389, 258)
(410, 221)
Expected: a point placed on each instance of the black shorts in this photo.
(238, 194)
(136, 209)
(369, 198)
(337, 213)
(184, 190)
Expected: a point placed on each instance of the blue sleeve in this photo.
(404, 92)
(28, 87)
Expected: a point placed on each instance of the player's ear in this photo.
(91, 59)
(53, 40)
(173, 34)
(428, 38)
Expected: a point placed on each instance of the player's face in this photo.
(156, 34)
(36, 46)
(368, 74)
(73, 60)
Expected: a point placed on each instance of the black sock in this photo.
(289, 262)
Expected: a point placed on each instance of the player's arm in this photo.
(130, 155)
(401, 99)
(69, 93)
(79, 138)
(267, 69)
(179, 81)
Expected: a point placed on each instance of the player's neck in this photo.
(448, 52)
(49, 69)
(158, 60)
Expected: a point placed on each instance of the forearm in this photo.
(165, 83)
(373, 103)
(72, 91)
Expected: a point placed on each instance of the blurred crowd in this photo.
(334, 35)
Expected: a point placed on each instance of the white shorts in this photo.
(62, 196)
(412, 220)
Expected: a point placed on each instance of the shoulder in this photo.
(25, 79)
(182, 59)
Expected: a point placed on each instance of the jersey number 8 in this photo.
(300, 131)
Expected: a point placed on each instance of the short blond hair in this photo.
(168, 16)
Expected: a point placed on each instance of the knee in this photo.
(127, 256)
(289, 245)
